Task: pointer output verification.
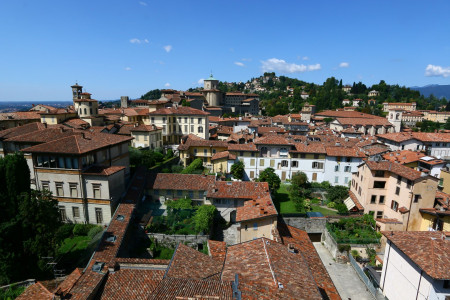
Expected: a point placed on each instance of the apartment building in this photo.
(393, 193)
(399, 105)
(178, 121)
(144, 136)
(416, 266)
(193, 147)
(86, 172)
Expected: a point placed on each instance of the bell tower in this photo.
(76, 91)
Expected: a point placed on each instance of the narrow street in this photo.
(344, 277)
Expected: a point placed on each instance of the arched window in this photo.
(264, 151)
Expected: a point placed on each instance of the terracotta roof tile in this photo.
(217, 250)
(169, 181)
(344, 152)
(356, 201)
(186, 288)
(427, 249)
(180, 110)
(103, 170)
(395, 168)
(256, 209)
(36, 291)
(240, 190)
(223, 154)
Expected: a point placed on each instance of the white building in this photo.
(416, 266)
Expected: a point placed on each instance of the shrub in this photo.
(355, 254)
(203, 218)
(94, 231)
(82, 229)
(169, 154)
(342, 208)
(237, 170)
(343, 248)
(165, 170)
(182, 203)
(331, 204)
(176, 168)
(63, 232)
(195, 167)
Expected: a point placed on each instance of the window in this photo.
(145, 137)
(192, 120)
(408, 184)
(373, 199)
(153, 120)
(179, 193)
(394, 205)
(73, 190)
(191, 194)
(261, 162)
(302, 155)
(317, 165)
(346, 180)
(338, 158)
(75, 211)
(336, 179)
(45, 185)
(214, 151)
(185, 128)
(316, 156)
(164, 119)
(192, 128)
(446, 284)
(252, 174)
(359, 191)
(347, 169)
(62, 213)
(252, 162)
(314, 177)
(200, 129)
(164, 129)
(98, 215)
(205, 152)
(241, 153)
(349, 159)
(397, 190)
(379, 214)
(416, 198)
(379, 184)
(255, 226)
(295, 163)
(399, 180)
(379, 173)
(96, 191)
(199, 120)
(336, 168)
(284, 163)
(185, 119)
(381, 201)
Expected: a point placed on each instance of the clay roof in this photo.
(202, 143)
(421, 136)
(20, 130)
(313, 147)
(217, 250)
(168, 181)
(344, 152)
(403, 156)
(44, 135)
(69, 282)
(395, 168)
(20, 115)
(85, 100)
(103, 170)
(272, 140)
(272, 129)
(76, 123)
(187, 288)
(242, 147)
(264, 266)
(364, 121)
(355, 200)
(223, 154)
(388, 221)
(180, 110)
(36, 291)
(302, 243)
(190, 263)
(132, 284)
(79, 143)
(429, 250)
(240, 190)
(347, 114)
(145, 128)
(256, 209)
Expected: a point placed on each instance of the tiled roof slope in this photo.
(429, 250)
(20, 130)
(36, 291)
(43, 135)
(255, 209)
(347, 114)
(421, 136)
(190, 263)
(79, 143)
(240, 189)
(132, 284)
(302, 243)
(184, 288)
(180, 110)
(265, 270)
(168, 181)
(395, 168)
(217, 250)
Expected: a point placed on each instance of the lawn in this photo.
(285, 205)
(74, 244)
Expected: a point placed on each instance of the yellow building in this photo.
(445, 181)
(57, 116)
(193, 147)
(257, 218)
(438, 217)
(220, 161)
(436, 116)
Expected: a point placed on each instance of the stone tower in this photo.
(212, 94)
(124, 101)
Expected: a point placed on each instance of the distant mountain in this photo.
(437, 90)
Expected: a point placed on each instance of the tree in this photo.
(337, 193)
(237, 170)
(196, 167)
(203, 218)
(153, 94)
(182, 203)
(269, 176)
(447, 124)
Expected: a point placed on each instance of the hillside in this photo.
(437, 90)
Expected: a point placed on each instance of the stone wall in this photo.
(172, 241)
(310, 225)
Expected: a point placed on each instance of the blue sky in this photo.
(128, 47)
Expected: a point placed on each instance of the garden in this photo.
(183, 217)
(76, 244)
(357, 230)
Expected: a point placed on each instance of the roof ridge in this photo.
(270, 264)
